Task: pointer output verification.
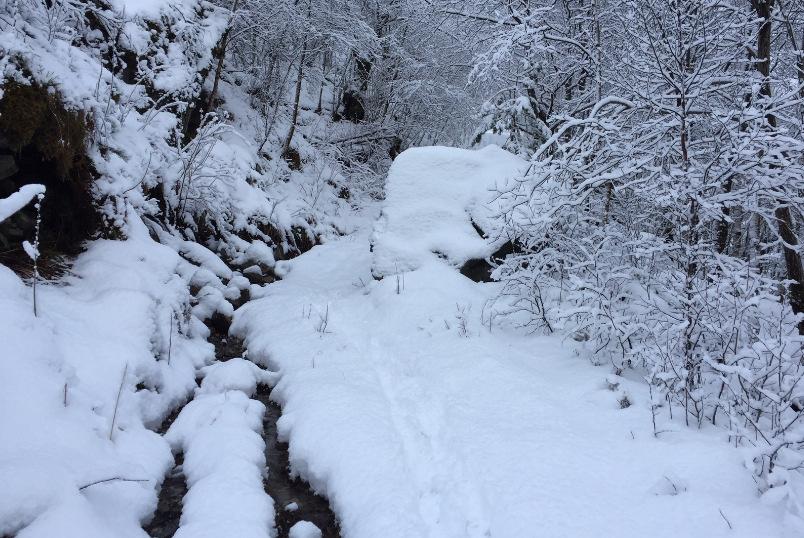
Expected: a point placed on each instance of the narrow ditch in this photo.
(284, 490)
(167, 516)
(174, 487)
(168, 509)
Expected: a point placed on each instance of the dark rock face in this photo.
(8, 166)
(353, 109)
(480, 270)
(43, 142)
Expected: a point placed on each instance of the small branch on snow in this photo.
(725, 519)
(117, 402)
(114, 479)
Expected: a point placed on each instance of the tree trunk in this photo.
(221, 57)
(723, 225)
(784, 218)
(296, 101)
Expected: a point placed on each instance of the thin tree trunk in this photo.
(784, 218)
(297, 99)
(224, 42)
(277, 101)
(723, 225)
(326, 61)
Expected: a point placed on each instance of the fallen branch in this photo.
(117, 402)
(113, 479)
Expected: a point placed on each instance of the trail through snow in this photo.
(418, 420)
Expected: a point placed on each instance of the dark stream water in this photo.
(283, 489)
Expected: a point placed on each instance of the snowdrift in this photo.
(440, 202)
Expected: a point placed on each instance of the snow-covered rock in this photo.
(224, 458)
(304, 529)
(234, 374)
(435, 199)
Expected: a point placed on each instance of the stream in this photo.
(305, 504)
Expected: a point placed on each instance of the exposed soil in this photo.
(168, 510)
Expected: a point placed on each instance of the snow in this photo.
(257, 251)
(224, 458)
(204, 257)
(149, 8)
(304, 529)
(30, 250)
(414, 409)
(60, 375)
(219, 432)
(415, 418)
(434, 194)
(18, 200)
(234, 374)
(211, 301)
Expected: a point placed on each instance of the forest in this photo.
(401, 268)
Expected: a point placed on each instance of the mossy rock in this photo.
(36, 116)
(47, 143)
(293, 158)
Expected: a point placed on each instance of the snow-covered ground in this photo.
(409, 402)
(416, 420)
(77, 457)
(116, 345)
(419, 413)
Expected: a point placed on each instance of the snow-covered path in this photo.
(417, 420)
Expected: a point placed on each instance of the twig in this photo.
(170, 338)
(725, 519)
(118, 478)
(117, 402)
(147, 167)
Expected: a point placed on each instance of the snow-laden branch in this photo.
(18, 200)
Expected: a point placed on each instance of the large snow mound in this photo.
(436, 198)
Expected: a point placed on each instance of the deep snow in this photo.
(416, 420)
(70, 413)
(408, 402)
(420, 412)
(436, 198)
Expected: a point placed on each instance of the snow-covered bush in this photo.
(652, 224)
